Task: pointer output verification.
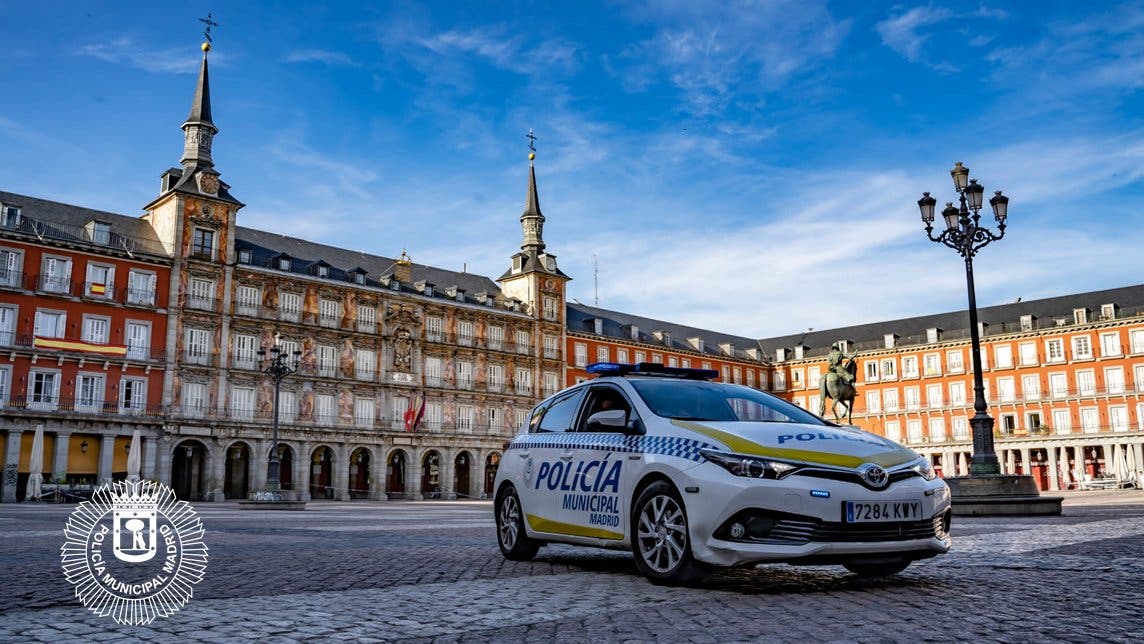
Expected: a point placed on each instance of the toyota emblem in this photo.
(875, 475)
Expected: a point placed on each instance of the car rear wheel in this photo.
(514, 542)
(877, 568)
(660, 537)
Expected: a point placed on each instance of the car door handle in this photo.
(523, 453)
(566, 456)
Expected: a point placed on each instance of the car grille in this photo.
(853, 477)
(799, 531)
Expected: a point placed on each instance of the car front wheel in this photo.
(514, 543)
(660, 538)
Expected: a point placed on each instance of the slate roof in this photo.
(66, 222)
(580, 318)
(1002, 318)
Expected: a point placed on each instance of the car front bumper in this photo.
(811, 528)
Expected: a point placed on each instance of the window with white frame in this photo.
(1082, 347)
(1138, 376)
(913, 398)
(814, 404)
(496, 377)
(551, 347)
(55, 274)
(96, 329)
(1031, 386)
(365, 364)
(551, 383)
(138, 339)
(889, 369)
(894, 430)
(931, 363)
(464, 374)
(1080, 316)
(398, 405)
(287, 347)
(890, 398)
(1140, 416)
(1090, 420)
(523, 380)
(1114, 380)
(581, 351)
(873, 402)
(549, 308)
(519, 417)
(433, 372)
(201, 295)
(7, 325)
(245, 351)
(871, 370)
(602, 354)
(960, 428)
(433, 327)
(642, 357)
(1055, 350)
(465, 418)
(433, 416)
(750, 373)
(796, 376)
(132, 395)
(780, 381)
(1058, 385)
(363, 411)
(937, 430)
(290, 307)
(11, 267)
(957, 393)
(327, 361)
(1136, 341)
(496, 420)
(242, 403)
(1086, 382)
(5, 384)
(910, 367)
(197, 346)
(496, 337)
(1118, 418)
(366, 318)
(672, 361)
(89, 390)
(1109, 344)
(523, 341)
(813, 377)
(325, 409)
(914, 431)
(657, 358)
(141, 287)
(287, 406)
(100, 281)
(245, 256)
(202, 243)
(954, 362)
(50, 324)
(465, 333)
(246, 299)
(933, 395)
(1003, 356)
(1006, 389)
(983, 355)
(1027, 353)
(329, 313)
(194, 399)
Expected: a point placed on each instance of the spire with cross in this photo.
(208, 22)
(532, 138)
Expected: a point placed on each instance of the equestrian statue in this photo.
(838, 384)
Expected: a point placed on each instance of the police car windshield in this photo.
(695, 400)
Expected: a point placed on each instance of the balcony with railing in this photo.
(84, 235)
(333, 420)
(78, 345)
(72, 405)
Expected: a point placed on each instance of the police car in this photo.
(690, 474)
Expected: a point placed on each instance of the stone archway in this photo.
(396, 466)
(236, 474)
(285, 466)
(190, 461)
(462, 473)
(322, 473)
(361, 483)
(492, 462)
(431, 474)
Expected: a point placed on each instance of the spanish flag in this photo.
(98, 289)
(79, 345)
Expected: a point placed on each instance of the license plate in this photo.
(877, 511)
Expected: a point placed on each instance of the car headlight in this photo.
(924, 469)
(755, 467)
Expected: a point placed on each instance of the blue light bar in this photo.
(607, 368)
(649, 369)
(822, 494)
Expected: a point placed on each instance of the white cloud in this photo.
(514, 53)
(903, 32)
(319, 56)
(125, 51)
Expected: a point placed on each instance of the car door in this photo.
(594, 493)
(549, 452)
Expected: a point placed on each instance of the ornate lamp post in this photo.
(278, 365)
(965, 234)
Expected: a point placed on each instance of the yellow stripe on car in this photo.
(741, 445)
(540, 524)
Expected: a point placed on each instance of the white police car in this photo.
(691, 474)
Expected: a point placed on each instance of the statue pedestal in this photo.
(1000, 495)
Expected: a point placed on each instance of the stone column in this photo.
(150, 458)
(1138, 456)
(341, 472)
(447, 467)
(377, 473)
(216, 477)
(1053, 466)
(106, 456)
(302, 472)
(1025, 464)
(413, 476)
(60, 460)
(259, 462)
(164, 453)
(11, 465)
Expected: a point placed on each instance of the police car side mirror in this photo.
(609, 420)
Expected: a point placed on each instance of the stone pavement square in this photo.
(431, 571)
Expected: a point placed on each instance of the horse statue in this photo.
(839, 391)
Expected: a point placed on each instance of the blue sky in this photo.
(731, 164)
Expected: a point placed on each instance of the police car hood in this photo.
(816, 444)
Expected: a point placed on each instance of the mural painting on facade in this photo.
(346, 359)
(346, 406)
(308, 362)
(306, 406)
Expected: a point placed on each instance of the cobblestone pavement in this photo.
(431, 570)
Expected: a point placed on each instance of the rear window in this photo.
(694, 400)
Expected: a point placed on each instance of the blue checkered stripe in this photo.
(676, 446)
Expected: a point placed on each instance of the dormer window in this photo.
(359, 277)
(284, 263)
(245, 256)
(1027, 322)
(323, 271)
(11, 216)
(1108, 311)
(933, 335)
(100, 232)
(1080, 316)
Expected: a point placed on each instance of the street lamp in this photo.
(965, 234)
(278, 365)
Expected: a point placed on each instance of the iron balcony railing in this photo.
(71, 405)
(84, 235)
(240, 415)
(9, 340)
